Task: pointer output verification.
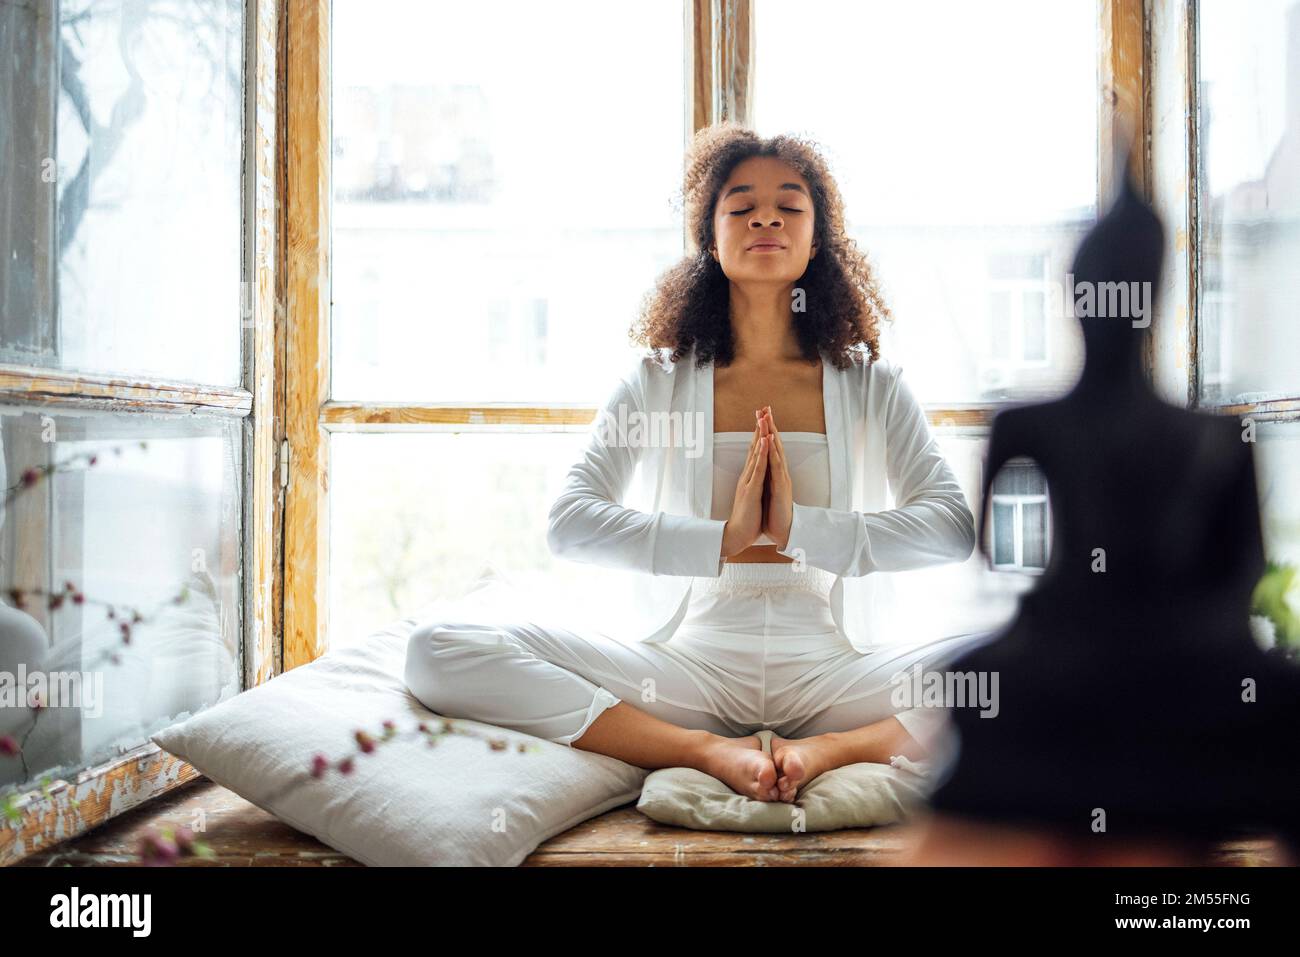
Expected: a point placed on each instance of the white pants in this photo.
(758, 649)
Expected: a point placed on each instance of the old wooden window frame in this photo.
(70, 806)
(1147, 83)
(1174, 31)
(719, 85)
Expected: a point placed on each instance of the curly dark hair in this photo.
(690, 304)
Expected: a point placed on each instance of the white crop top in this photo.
(808, 462)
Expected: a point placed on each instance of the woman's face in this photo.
(763, 222)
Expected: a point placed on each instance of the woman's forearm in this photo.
(588, 522)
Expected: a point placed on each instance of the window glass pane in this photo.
(503, 184)
(147, 117)
(1214, 351)
(405, 532)
(1033, 531)
(1004, 533)
(1022, 477)
(974, 597)
(1277, 463)
(966, 155)
(1277, 472)
(140, 527)
(28, 67)
(1035, 320)
(1000, 319)
(1250, 199)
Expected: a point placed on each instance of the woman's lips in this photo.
(765, 248)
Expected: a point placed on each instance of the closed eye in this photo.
(788, 209)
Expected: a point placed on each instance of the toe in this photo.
(793, 768)
(765, 780)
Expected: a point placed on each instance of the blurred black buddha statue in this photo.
(1134, 700)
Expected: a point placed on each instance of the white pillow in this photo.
(458, 802)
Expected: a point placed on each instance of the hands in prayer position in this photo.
(764, 502)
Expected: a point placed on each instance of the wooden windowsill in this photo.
(241, 834)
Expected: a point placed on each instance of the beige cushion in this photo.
(856, 795)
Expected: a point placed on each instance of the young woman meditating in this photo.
(768, 335)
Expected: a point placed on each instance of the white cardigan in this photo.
(639, 499)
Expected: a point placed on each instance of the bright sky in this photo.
(1243, 63)
(938, 112)
(586, 97)
(933, 112)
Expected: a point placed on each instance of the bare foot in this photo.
(743, 765)
(798, 761)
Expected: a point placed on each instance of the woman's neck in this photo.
(762, 322)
